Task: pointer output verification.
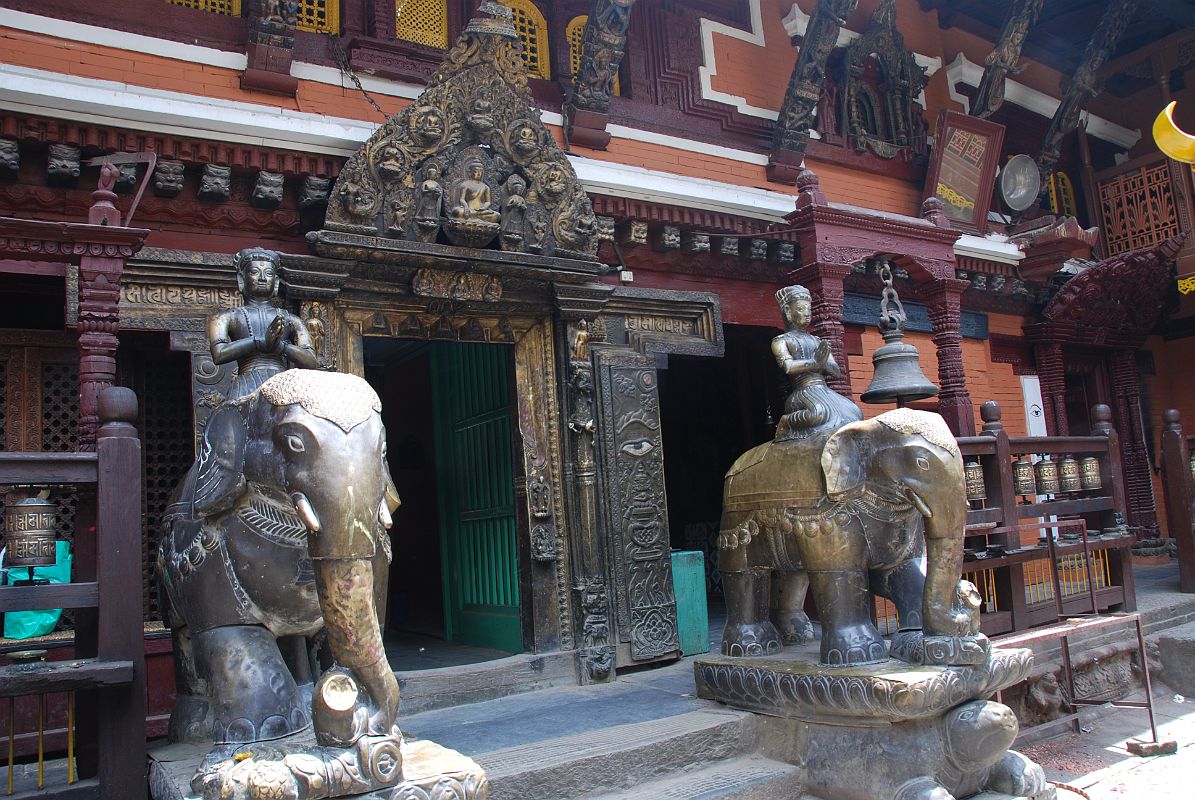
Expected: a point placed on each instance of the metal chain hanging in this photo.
(890, 318)
(342, 61)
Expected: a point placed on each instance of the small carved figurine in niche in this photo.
(514, 210)
(614, 16)
(260, 337)
(267, 190)
(215, 183)
(580, 351)
(492, 291)
(10, 157)
(390, 161)
(806, 359)
(471, 196)
(427, 212)
(427, 126)
(481, 119)
(554, 184)
(62, 165)
(525, 142)
(359, 199)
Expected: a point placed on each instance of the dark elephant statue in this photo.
(277, 532)
(877, 506)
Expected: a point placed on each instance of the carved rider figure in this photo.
(260, 337)
(471, 196)
(812, 406)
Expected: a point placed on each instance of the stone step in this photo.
(743, 778)
(618, 757)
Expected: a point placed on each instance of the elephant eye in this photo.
(295, 443)
(922, 462)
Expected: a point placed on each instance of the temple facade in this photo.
(556, 259)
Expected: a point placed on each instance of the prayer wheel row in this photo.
(1064, 476)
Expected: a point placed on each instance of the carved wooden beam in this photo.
(270, 45)
(804, 89)
(602, 49)
(1083, 84)
(1002, 61)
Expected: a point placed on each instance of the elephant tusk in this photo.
(921, 505)
(1171, 139)
(384, 515)
(305, 511)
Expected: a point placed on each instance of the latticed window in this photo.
(1062, 195)
(533, 32)
(319, 16)
(422, 22)
(230, 8)
(575, 35)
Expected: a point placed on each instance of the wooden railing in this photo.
(108, 667)
(1178, 485)
(1005, 548)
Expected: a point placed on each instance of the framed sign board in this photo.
(962, 169)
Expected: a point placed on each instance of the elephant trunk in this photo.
(346, 595)
(944, 530)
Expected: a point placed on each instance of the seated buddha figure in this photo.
(471, 196)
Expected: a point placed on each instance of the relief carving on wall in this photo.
(469, 163)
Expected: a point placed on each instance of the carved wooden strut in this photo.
(602, 49)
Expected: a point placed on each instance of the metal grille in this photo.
(1072, 576)
(230, 8)
(575, 35)
(167, 452)
(59, 407)
(319, 16)
(422, 22)
(533, 33)
(1062, 195)
(1138, 209)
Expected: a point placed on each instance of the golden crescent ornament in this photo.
(1171, 139)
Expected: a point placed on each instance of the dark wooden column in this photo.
(1126, 394)
(1180, 497)
(825, 282)
(99, 314)
(1052, 376)
(602, 49)
(945, 300)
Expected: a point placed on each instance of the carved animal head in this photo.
(976, 734)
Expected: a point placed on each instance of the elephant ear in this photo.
(220, 468)
(845, 456)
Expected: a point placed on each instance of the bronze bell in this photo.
(1047, 476)
(973, 472)
(1068, 474)
(898, 377)
(1022, 478)
(29, 536)
(1089, 473)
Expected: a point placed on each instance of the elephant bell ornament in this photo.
(897, 377)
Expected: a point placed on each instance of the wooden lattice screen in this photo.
(1138, 209)
(422, 22)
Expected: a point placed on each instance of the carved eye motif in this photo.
(923, 463)
(638, 447)
(294, 443)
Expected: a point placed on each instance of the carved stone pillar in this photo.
(944, 300)
(99, 312)
(602, 49)
(270, 45)
(824, 282)
(805, 89)
(1126, 404)
(1052, 375)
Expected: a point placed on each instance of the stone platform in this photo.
(429, 771)
(888, 731)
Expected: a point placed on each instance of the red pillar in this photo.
(945, 300)
(1052, 376)
(1126, 393)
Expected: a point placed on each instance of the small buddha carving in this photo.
(471, 198)
(514, 210)
(427, 212)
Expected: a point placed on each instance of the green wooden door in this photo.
(477, 504)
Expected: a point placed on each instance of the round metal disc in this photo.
(1020, 183)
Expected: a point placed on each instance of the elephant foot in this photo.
(922, 789)
(793, 628)
(750, 639)
(1018, 776)
(853, 645)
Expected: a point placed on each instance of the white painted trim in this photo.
(709, 68)
(687, 145)
(962, 70)
(330, 75)
(109, 37)
(90, 100)
(989, 248)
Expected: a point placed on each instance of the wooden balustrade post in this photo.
(998, 480)
(1112, 475)
(121, 711)
(1179, 490)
